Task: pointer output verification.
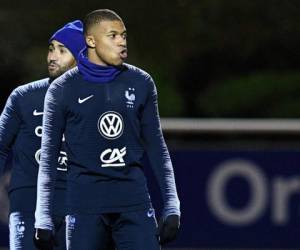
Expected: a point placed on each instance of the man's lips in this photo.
(123, 54)
(52, 66)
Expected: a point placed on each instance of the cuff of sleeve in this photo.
(171, 211)
(43, 223)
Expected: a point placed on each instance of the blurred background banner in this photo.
(238, 182)
(233, 199)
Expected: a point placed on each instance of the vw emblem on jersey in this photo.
(110, 125)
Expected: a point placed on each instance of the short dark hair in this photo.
(97, 16)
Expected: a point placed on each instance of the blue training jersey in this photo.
(21, 132)
(108, 127)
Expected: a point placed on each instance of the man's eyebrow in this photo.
(116, 32)
(59, 45)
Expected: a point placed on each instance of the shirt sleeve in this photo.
(158, 153)
(10, 121)
(53, 127)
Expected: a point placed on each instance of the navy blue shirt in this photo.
(21, 131)
(108, 127)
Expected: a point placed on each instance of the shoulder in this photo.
(137, 72)
(142, 78)
(28, 89)
(65, 79)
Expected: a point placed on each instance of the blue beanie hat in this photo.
(71, 35)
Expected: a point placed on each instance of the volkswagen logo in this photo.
(110, 125)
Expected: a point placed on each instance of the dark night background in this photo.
(210, 58)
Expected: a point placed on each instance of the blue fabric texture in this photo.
(96, 73)
(71, 35)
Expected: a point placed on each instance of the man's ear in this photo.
(90, 41)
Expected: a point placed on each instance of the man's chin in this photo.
(117, 63)
(53, 75)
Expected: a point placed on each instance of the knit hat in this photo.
(71, 35)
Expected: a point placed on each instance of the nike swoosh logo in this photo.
(84, 99)
(35, 113)
(150, 213)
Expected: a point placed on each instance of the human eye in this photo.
(112, 35)
(50, 49)
(62, 50)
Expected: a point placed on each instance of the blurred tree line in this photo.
(209, 58)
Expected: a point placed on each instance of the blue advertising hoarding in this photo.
(237, 199)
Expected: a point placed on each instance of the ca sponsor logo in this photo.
(62, 159)
(110, 125)
(113, 157)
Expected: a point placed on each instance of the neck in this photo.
(93, 57)
(93, 71)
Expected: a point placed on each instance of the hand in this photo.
(44, 239)
(168, 228)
